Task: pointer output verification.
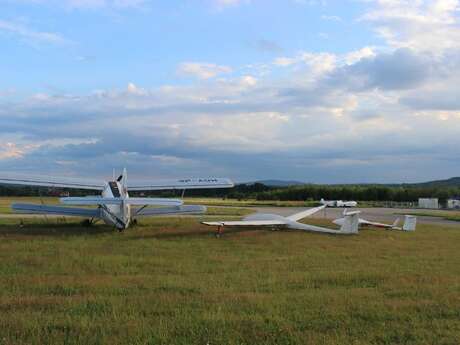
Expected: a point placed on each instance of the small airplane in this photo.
(410, 222)
(114, 206)
(338, 203)
(349, 225)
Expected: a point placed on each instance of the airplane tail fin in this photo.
(410, 222)
(350, 223)
(396, 222)
(123, 179)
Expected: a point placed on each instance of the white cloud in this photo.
(285, 61)
(133, 89)
(95, 4)
(331, 18)
(355, 56)
(91, 4)
(10, 150)
(202, 70)
(221, 4)
(422, 25)
(30, 35)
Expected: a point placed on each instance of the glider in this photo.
(114, 206)
(349, 225)
(410, 223)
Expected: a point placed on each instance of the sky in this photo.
(320, 91)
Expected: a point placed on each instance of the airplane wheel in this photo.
(134, 222)
(86, 222)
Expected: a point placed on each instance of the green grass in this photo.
(170, 281)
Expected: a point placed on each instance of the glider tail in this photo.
(350, 223)
(396, 222)
(410, 222)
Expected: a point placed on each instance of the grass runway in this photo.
(170, 281)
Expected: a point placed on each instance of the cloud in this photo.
(10, 150)
(401, 69)
(228, 3)
(268, 46)
(313, 116)
(423, 25)
(202, 70)
(91, 4)
(331, 18)
(95, 4)
(30, 35)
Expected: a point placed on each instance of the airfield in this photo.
(169, 280)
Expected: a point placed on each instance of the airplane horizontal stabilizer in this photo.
(159, 211)
(154, 201)
(56, 210)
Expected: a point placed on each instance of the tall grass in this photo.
(170, 281)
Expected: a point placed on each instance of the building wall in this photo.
(428, 203)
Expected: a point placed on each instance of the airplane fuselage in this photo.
(116, 215)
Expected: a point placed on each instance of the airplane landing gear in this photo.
(87, 222)
(220, 230)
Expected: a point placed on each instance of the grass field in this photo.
(170, 281)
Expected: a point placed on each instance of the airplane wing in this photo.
(181, 184)
(56, 210)
(97, 200)
(306, 213)
(42, 181)
(159, 211)
(246, 223)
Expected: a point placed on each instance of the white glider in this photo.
(349, 226)
(410, 223)
(114, 206)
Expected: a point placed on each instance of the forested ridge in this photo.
(259, 191)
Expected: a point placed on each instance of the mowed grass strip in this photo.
(170, 281)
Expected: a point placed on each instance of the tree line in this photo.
(259, 191)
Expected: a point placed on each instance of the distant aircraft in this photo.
(348, 227)
(410, 223)
(114, 206)
(338, 203)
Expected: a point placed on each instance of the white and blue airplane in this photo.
(114, 206)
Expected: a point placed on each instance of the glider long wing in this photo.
(59, 182)
(181, 184)
(56, 210)
(298, 216)
(246, 223)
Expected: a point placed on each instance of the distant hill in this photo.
(451, 182)
(278, 183)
